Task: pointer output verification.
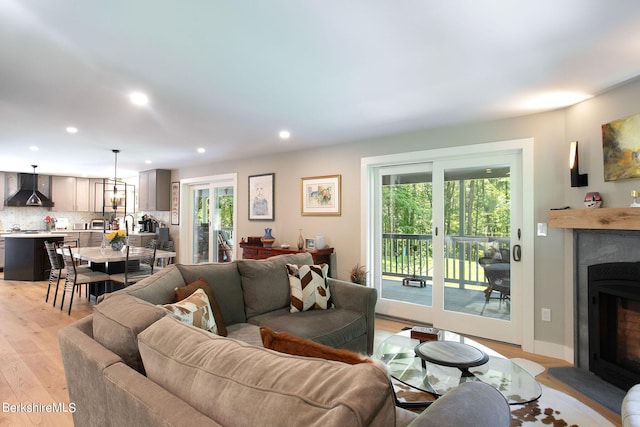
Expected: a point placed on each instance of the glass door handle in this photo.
(517, 252)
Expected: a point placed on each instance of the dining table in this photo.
(109, 261)
(112, 262)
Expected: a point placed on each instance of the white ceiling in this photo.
(228, 75)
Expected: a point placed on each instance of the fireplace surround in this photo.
(594, 247)
(614, 322)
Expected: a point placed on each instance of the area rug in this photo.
(554, 408)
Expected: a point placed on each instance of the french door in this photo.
(211, 219)
(445, 239)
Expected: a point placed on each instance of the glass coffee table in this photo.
(441, 371)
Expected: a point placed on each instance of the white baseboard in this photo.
(558, 351)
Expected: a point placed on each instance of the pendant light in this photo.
(117, 197)
(34, 200)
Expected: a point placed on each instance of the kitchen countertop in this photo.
(135, 233)
(18, 235)
(44, 233)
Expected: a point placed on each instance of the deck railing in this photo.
(411, 255)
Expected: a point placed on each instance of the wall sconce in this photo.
(577, 180)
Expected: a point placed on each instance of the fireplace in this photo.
(614, 322)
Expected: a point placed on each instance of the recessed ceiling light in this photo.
(139, 98)
(33, 148)
(148, 162)
(201, 150)
(284, 134)
(72, 129)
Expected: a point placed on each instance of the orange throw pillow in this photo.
(201, 283)
(287, 343)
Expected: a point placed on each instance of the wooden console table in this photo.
(320, 256)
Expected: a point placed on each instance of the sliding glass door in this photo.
(405, 241)
(476, 226)
(442, 239)
(211, 219)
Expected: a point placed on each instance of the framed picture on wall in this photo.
(321, 195)
(261, 197)
(175, 203)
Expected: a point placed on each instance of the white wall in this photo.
(552, 133)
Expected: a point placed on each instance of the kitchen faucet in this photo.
(133, 220)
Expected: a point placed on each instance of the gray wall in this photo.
(552, 133)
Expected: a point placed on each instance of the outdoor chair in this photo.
(498, 275)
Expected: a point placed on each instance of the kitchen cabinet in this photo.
(141, 239)
(95, 238)
(63, 193)
(26, 258)
(3, 196)
(1, 252)
(96, 190)
(82, 195)
(154, 190)
(70, 194)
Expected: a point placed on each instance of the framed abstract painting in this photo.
(321, 195)
(620, 148)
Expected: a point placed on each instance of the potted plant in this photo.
(117, 239)
(359, 274)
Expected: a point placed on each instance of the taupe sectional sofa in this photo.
(129, 363)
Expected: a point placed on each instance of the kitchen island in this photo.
(25, 257)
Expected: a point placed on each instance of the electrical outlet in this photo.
(546, 315)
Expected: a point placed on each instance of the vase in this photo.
(300, 240)
(117, 246)
(267, 240)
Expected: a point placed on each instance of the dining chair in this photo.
(77, 276)
(55, 273)
(166, 245)
(136, 269)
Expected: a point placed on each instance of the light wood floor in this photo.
(31, 369)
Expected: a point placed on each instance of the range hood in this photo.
(26, 187)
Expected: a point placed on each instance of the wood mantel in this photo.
(597, 218)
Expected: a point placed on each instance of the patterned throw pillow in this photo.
(185, 291)
(309, 288)
(194, 310)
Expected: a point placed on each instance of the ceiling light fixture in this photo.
(72, 129)
(201, 150)
(33, 148)
(284, 134)
(139, 99)
(34, 200)
(116, 200)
